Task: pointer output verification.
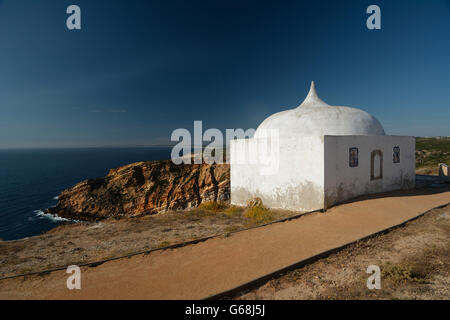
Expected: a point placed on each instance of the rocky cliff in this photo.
(144, 188)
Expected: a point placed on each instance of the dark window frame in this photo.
(396, 154)
(353, 162)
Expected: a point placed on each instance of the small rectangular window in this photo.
(353, 157)
(396, 154)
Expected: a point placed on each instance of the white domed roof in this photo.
(316, 118)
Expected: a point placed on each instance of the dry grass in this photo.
(163, 244)
(402, 273)
(89, 242)
(234, 211)
(214, 206)
(259, 215)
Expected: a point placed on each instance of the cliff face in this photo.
(145, 188)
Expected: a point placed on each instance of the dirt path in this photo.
(82, 243)
(414, 261)
(219, 264)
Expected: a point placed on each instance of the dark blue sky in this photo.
(140, 69)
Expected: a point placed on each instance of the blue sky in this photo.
(140, 69)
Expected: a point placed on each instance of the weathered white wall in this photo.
(343, 182)
(296, 184)
(314, 172)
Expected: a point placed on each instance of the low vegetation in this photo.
(163, 244)
(214, 206)
(233, 211)
(403, 273)
(259, 214)
(430, 152)
(89, 242)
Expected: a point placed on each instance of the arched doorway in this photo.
(376, 165)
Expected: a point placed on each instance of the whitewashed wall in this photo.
(297, 183)
(343, 182)
(314, 172)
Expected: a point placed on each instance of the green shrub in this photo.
(213, 206)
(399, 273)
(259, 215)
(164, 244)
(233, 211)
(231, 229)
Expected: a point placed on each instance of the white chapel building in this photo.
(319, 155)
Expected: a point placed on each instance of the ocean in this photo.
(31, 180)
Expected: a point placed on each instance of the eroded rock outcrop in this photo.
(145, 188)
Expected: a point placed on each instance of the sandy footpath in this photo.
(219, 264)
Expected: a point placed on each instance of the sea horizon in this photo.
(32, 179)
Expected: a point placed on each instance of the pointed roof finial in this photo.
(312, 99)
(312, 90)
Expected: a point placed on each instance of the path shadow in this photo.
(425, 185)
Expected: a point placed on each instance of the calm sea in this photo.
(30, 181)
